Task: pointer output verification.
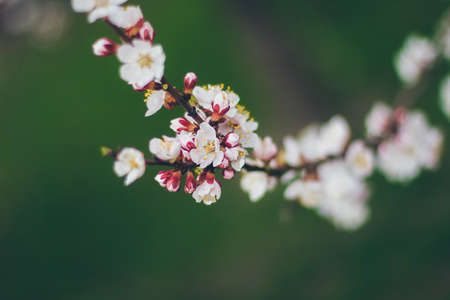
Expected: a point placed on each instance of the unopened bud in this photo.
(163, 177)
(190, 81)
(224, 164)
(210, 178)
(400, 115)
(228, 174)
(173, 185)
(190, 186)
(105, 151)
(104, 47)
(146, 33)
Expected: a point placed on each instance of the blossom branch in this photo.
(325, 169)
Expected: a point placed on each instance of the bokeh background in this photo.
(70, 230)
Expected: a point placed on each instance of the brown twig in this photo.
(183, 100)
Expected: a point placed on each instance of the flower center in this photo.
(361, 161)
(101, 3)
(209, 198)
(145, 61)
(210, 147)
(133, 164)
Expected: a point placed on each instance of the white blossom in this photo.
(130, 163)
(142, 62)
(310, 193)
(317, 142)
(265, 149)
(97, 9)
(208, 192)
(126, 17)
(445, 95)
(242, 125)
(360, 159)
(256, 184)
(378, 119)
(333, 136)
(416, 146)
(207, 147)
(416, 55)
(154, 101)
(292, 151)
(398, 161)
(167, 148)
(236, 156)
(345, 196)
(225, 101)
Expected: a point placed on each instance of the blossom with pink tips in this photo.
(190, 184)
(104, 47)
(147, 33)
(174, 182)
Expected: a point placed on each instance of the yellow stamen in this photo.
(210, 147)
(101, 3)
(145, 61)
(133, 164)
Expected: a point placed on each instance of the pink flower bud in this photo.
(146, 32)
(231, 140)
(163, 177)
(400, 115)
(190, 186)
(173, 185)
(228, 174)
(225, 164)
(210, 178)
(104, 47)
(190, 81)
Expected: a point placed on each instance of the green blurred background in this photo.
(70, 230)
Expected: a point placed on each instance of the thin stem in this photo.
(183, 100)
(119, 32)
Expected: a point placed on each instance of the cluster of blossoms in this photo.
(323, 168)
